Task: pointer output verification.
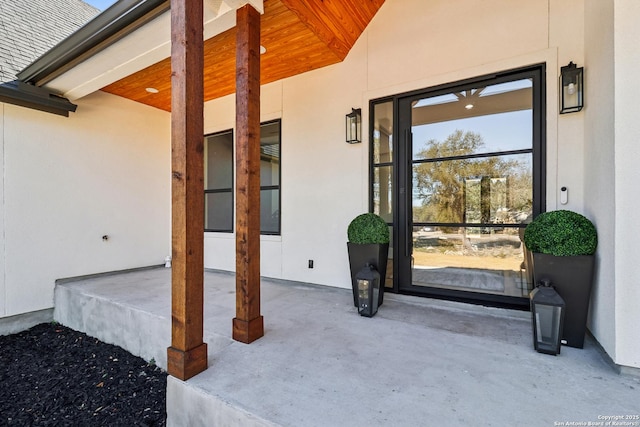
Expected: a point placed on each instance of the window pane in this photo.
(488, 190)
(219, 171)
(478, 259)
(270, 178)
(218, 208)
(383, 132)
(269, 165)
(270, 211)
(219, 161)
(382, 192)
(486, 119)
(270, 154)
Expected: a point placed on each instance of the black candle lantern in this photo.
(368, 280)
(547, 315)
(354, 126)
(571, 89)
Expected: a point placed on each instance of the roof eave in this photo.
(123, 15)
(36, 98)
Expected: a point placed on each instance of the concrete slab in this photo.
(417, 362)
(14, 324)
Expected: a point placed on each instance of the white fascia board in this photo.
(140, 49)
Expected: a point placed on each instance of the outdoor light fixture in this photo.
(368, 280)
(571, 89)
(354, 126)
(547, 315)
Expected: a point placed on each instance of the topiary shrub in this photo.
(561, 233)
(368, 228)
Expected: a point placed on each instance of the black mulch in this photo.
(51, 375)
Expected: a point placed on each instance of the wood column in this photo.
(187, 355)
(248, 324)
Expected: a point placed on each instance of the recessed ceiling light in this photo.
(263, 50)
(468, 106)
(152, 90)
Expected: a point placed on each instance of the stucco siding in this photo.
(599, 174)
(70, 181)
(409, 45)
(627, 175)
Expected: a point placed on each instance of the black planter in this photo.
(572, 276)
(374, 254)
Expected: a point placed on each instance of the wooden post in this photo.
(248, 324)
(187, 355)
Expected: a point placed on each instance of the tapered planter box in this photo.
(572, 276)
(375, 254)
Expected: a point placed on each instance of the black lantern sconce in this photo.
(368, 280)
(354, 126)
(547, 315)
(571, 89)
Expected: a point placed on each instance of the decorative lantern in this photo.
(571, 89)
(354, 126)
(547, 315)
(368, 280)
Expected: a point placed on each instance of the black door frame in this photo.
(402, 167)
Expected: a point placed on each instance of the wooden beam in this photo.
(187, 355)
(248, 324)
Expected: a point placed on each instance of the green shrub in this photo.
(561, 233)
(368, 228)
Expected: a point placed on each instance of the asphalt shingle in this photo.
(29, 28)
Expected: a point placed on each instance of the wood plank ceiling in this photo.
(299, 36)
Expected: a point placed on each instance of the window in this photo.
(218, 182)
(219, 161)
(270, 178)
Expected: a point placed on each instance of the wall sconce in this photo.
(571, 89)
(354, 126)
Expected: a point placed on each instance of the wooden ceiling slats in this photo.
(299, 35)
(321, 22)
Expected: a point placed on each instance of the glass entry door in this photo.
(469, 180)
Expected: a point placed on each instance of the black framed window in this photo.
(219, 169)
(270, 177)
(218, 182)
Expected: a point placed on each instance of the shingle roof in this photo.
(29, 28)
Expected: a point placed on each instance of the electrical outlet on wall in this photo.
(310, 263)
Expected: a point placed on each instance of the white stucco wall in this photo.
(611, 153)
(599, 174)
(105, 170)
(69, 181)
(627, 174)
(66, 182)
(409, 45)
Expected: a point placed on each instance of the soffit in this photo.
(299, 36)
(126, 38)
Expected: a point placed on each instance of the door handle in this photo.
(408, 238)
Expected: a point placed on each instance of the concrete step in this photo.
(131, 310)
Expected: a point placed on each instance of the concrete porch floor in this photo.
(418, 362)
